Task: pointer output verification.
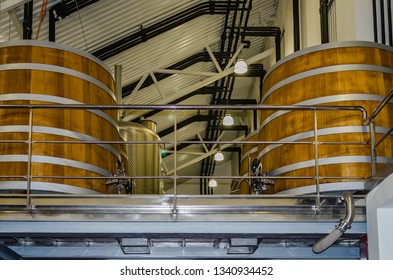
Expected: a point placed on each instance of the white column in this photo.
(379, 220)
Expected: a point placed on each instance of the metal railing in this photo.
(174, 207)
(371, 122)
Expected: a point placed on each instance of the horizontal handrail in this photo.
(188, 107)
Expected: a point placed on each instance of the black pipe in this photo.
(28, 21)
(383, 21)
(206, 162)
(255, 119)
(52, 25)
(323, 13)
(390, 23)
(375, 23)
(261, 77)
(158, 28)
(62, 10)
(296, 26)
(277, 40)
(227, 41)
(266, 31)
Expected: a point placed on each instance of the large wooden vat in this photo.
(33, 72)
(343, 73)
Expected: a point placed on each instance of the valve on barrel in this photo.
(259, 185)
(122, 185)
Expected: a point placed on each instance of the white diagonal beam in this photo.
(140, 83)
(207, 81)
(157, 86)
(218, 139)
(203, 144)
(214, 59)
(235, 55)
(211, 152)
(9, 5)
(183, 72)
(15, 20)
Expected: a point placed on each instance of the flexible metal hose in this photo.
(345, 224)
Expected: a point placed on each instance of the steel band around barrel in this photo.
(44, 186)
(326, 161)
(58, 69)
(325, 70)
(326, 187)
(327, 99)
(55, 99)
(57, 161)
(322, 132)
(57, 46)
(328, 46)
(249, 152)
(58, 132)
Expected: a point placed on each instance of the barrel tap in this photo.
(122, 185)
(259, 185)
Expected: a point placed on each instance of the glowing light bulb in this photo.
(219, 156)
(240, 67)
(228, 120)
(212, 183)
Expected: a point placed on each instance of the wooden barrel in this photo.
(33, 72)
(343, 73)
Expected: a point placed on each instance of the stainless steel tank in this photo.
(142, 159)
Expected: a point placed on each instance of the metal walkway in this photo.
(182, 227)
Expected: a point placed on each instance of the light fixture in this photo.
(228, 120)
(219, 156)
(212, 183)
(240, 66)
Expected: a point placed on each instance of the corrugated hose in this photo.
(344, 224)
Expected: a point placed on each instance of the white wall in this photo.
(285, 22)
(353, 21)
(346, 20)
(310, 25)
(364, 20)
(380, 220)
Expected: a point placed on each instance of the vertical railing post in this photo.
(174, 209)
(29, 160)
(118, 88)
(318, 198)
(373, 150)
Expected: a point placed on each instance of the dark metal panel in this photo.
(28, 20)
(323, 12)
(296, 26)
